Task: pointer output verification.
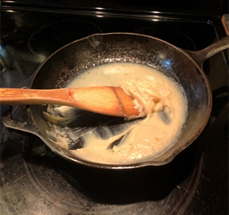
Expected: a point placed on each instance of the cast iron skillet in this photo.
(74, 58)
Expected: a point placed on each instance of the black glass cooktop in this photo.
(34, 180)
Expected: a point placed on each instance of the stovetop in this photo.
(34, 180)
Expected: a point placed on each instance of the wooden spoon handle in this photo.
(9, 96)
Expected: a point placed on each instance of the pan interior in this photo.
(78, 56)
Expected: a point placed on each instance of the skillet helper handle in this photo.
(204, 54)
(10, 96)
(26, 124)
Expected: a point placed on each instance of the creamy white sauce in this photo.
(149, 137)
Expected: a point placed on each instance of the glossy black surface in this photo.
(36, 181)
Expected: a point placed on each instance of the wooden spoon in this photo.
(104, 100)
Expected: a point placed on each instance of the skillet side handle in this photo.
(204, 54)
(19, 120)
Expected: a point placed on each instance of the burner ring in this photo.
(51, 37)
(172, 36)
(48, 183)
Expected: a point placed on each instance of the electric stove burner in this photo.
(36, 179)
(49, 38)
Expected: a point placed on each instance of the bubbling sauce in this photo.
(148, 137)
